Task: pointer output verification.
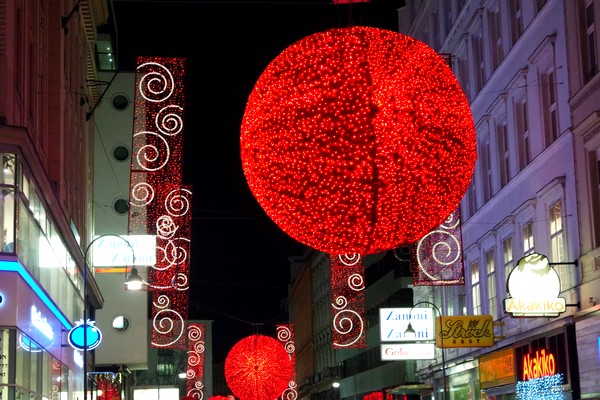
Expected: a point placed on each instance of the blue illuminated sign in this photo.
(76, 335)
(28, 344)
(14, 266)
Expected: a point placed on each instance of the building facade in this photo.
(46, 66)
(530, 71)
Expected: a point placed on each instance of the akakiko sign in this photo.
(393, 323)
(540, 364)
(534, 287)
(464, 331)
(407, 351)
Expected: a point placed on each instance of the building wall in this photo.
(45, 141)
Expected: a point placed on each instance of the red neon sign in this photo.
(542, 364)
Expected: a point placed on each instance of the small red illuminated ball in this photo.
(258, 368)
(358, 140)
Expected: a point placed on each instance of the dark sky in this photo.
(239, 266)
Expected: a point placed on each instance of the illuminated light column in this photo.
(195, 361)
(348, 296)
(160, 203)
(285, 335)
(436, 259)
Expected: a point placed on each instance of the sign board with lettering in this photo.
(393, 323)
(4, 349)
(407, 351)
(533, 287)
(497, 368)
(113, 251)
(464, 331)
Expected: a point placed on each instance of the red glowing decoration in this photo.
(258, 368)
(358, 140)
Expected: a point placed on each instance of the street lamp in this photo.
(409, 329)
(85, 304)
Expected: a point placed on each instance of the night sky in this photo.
(239, 266)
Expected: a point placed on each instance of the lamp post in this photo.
(85, 303)
(409, 329)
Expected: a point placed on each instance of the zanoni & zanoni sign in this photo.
(533, 287)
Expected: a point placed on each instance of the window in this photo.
(478, 61)
(556, 233)
(486, 169)
(539, 4)
(528, 245)
(522, 130)
(471, 204)
(495, 26)
(475, 289)
(550, 111)
(503, 154)
(450, 300)
(507, 256)
(590, 60)
(463, 70)
(516, 14)
(490, 268)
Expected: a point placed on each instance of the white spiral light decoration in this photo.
(150, 156)
(166, 321)
(177, 202)
(169, 120)
(157, 84)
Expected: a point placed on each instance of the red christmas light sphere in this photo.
(258, 368)
(358, 140)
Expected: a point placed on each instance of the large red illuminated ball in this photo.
(358, 140)
(258, 368)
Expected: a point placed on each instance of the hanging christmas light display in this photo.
(159, 204)
(285, 335)
(358, 140)
(355, 141)
(258, 368)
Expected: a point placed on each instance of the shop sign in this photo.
(4, 349)
(464, 331)
(542, 363)
(407, 351)
(78, 337)
(534, 287)
(113, 251)
(393, 323)
(497, 369)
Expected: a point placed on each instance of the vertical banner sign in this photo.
(436, 259)
(285, 335)
(159, 204)
(195, 361)
(348, 306)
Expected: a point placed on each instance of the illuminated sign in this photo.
(113, 251)
(41, 323)
(393, 323)
(78, 337)
(14, 266)
(497, 369)
(28, 344)
(539, 365)
(534, 287)
(407, 351)
(465, 331)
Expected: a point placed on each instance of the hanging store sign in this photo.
(407, 351)
(464, 331)
(78, 336)
(115, 251)
(393, 323)
(534, 287)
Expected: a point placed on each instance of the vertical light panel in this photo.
(348, 307)
(285, 335)
(159, 203)
(195, 361)
(436, 259)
